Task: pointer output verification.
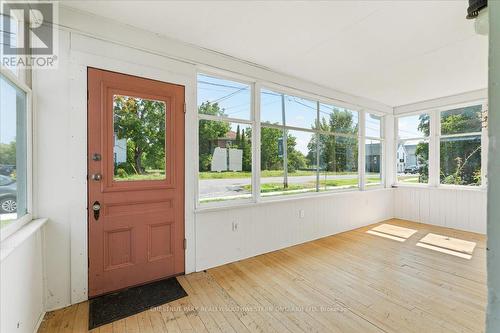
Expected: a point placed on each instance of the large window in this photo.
(373, 150)
(14, 178)
(442, 146)
(412, 154)
(460, 146)
(225, 139)
(286, 145)
(306, 146)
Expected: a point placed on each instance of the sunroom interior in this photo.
(240, 166)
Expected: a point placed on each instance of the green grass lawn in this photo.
(276, 187)
(149, 175)
(408, 179)
(263, 174)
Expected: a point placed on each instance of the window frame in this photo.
(383, 163)
(238, 79)
(17, 224)
(434, 140)
(256, 86)
(317, 100)
(428, 139)
(483, 134)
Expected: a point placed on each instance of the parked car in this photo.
(412, 169)
(6, 169)
(8, 195)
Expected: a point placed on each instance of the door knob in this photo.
(96, 177)
(96, 207)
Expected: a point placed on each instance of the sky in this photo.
(235, 98)
(408, 127)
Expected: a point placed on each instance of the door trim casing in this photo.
(140, 267)
(76, 56)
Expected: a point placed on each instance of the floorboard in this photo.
(350, 282)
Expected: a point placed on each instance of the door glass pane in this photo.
(13, 155)
(139, 139)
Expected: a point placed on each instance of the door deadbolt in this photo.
(96, 177)
(96, 157)
(96, 207)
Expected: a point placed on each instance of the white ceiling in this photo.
(394, 52)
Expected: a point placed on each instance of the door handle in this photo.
(96, 177)
(96, 207)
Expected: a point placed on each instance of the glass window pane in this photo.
(463, 120)
(338, 162)
(412, 159)
(373, 125)
(225, 161)
(219, 97)
(9, 38)
(460, 160)
(337, 119)
(271, 107)
(13, 152)
(300, 175)
(300, 112)
(416, 126)
(139, 139)
(373, 162)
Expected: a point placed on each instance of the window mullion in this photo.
(361, 150)
(256, 143)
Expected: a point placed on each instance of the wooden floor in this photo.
(350, 282)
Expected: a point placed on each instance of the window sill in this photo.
(443, 187)
(15, 240)
(286, 198)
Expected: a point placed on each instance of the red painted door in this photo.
(135, 180)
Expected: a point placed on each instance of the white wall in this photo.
(268, 226)
(21, 294)
(61, 169)
(457, 208)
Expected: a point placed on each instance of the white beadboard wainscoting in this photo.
(228, 235)
(459, 208)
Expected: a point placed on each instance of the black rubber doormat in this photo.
(109, 308)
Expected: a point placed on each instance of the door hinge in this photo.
(88, 95)
(184, 244)
(184, 108)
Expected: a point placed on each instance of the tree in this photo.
(337, 153)
(246, 147)
(460, 158)
(270, 158)
(8, 153)
(208, 131)
(142, 123)
(422, 149)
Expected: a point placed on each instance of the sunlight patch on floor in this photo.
(449, 245)
(393, 232)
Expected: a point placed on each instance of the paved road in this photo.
(214, 188)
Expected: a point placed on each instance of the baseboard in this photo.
(39, 322)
